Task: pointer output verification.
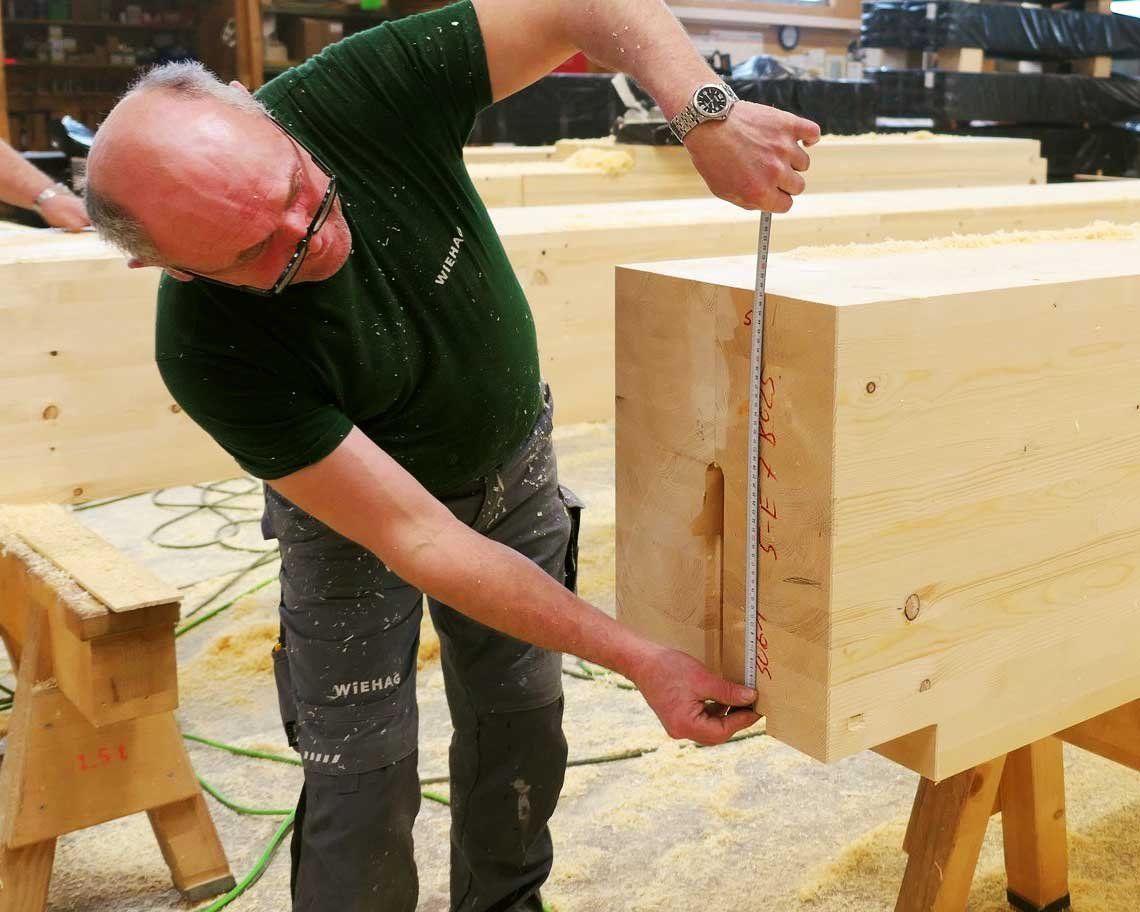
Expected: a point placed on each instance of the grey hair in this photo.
(186, 79)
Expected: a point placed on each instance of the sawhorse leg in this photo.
(1033, 827)
(190, 845)
(944, 837)
(25, 875)
(948, 824)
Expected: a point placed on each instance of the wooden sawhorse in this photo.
(1027, 787)
(92, 735)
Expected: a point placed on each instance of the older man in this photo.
(340, 315)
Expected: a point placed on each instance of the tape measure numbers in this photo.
(756, 367)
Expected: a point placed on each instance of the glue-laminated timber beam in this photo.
(948, 496)
(77, 331)
(565, 256)
(489, 155)
(77, 326)
(839, 164)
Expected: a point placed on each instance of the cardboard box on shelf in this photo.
(305, 37)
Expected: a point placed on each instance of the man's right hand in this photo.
(679, 689)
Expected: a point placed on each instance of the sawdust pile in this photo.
(610, 140)
(610, 162)
(220, 673)
(913, 136)
(1096, 231)
(869, 872)
(429, 643)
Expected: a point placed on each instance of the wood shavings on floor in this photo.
(239, 652)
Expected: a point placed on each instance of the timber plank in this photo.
(90, 561)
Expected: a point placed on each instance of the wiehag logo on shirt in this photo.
(452, 256)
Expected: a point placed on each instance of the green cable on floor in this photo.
(242, 751)
(201, 619)
(241, 808)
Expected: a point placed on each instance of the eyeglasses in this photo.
(294, 265)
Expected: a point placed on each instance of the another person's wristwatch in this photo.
(709, 102)
(50, 193)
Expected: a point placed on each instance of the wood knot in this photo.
(77, 492)
(176, 408)
(912, 607)
(871, 387)
(51, 412)
(924, 686)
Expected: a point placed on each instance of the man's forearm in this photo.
(500, 588)
(642, 38)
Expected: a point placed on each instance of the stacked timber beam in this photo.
(950, 517)
(958, 62)
(78, 329)
(600, 171)
(564, 256)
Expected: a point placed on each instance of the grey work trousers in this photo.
(346, 683)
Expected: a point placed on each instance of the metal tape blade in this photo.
(756, 368)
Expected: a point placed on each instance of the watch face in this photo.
(711, 101)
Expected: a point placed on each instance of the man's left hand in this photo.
(66, 212)
(754, 158)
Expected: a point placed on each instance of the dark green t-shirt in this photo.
(424, 339)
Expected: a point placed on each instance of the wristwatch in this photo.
(710, 102)
(49, 193)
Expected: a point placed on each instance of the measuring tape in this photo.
(756, 366)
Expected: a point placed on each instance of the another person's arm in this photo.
(21, 183)
(752, 159)
(362, 493)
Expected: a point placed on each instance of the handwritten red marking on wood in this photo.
(767, 506)
(768, 509)
(762, 661)
(104, 756)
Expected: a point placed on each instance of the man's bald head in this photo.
(143, 147)
(192, 175)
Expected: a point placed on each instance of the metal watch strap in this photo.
(50, 193)
(684, 122)
(688, 118)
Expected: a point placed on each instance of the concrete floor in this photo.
(751, 825)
